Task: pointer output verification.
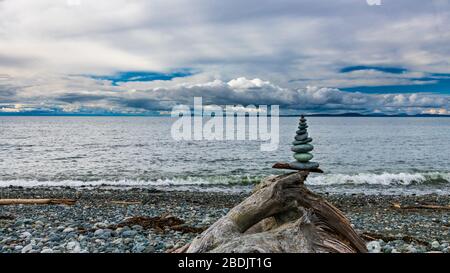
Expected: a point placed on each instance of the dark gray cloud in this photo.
(7, 92)
(146, 104)
(81, 98)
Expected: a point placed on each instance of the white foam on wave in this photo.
(222, 183)
(384, 179)
(122, 182)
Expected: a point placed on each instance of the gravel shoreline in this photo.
(96, 223)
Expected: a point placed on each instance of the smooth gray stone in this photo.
(129, 233)
(301, 132)
(301, 137)
(304, 166)
(303, 148)
(303, 157)
(302, 124)
(299, 142)
(301, 127)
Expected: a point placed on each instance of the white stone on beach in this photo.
(47, 250)
(25, 235)
(27, 248)
(411, 249)
(435, 245)
(73, 247)
(68, 230)
(374, 247)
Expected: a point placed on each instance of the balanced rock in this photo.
(303, 166)
(303, 157)
(301, 137)
(302, 148)
(299, 142)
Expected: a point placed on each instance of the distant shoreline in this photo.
(157, 116)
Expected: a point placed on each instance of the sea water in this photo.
(376, 155)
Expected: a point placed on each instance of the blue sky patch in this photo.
(438, 83)
(143, 76)
(433, 85)
(392, 70)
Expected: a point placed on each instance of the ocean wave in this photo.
(218, 184)
(384, 179)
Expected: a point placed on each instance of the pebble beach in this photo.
(123, 221)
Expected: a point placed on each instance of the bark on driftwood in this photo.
(281, 215)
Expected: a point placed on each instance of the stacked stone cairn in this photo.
(302, 148)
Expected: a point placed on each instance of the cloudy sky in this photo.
(144, 56)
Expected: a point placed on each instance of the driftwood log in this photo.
(37, 202)
(281, 215)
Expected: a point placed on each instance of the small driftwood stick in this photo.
(126, 202)
(368, 236)
(37, 202)
(281, 215)
(435, 207)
